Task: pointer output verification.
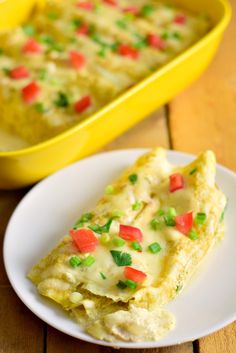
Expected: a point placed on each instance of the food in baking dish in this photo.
(75, 56)
(135, 251)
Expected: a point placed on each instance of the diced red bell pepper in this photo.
(180, 19)
(135, 275)
(134, 10)
(111, 2)
(82, 30)
(130, 233)
(19, 72)
(77, 59)
(32, 47)
(84, 239)
(82, 104)
(184, 223)
(30, 92)
(155, 41)
(85, 5)
(127, 50)
(176, 182)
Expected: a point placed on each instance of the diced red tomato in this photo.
(84, 240)
(180, 19)
(111, 2)
(134, 10)
(77, 59)
(135, 275)
(127, 50)
(19, 72)
(30, 92)
(155, 41)
(184, 223)
(85, 5)
(82, 104)
(83, 30)
(130, 233)
(176, 182)
(32, 47)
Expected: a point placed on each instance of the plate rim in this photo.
(90, 339)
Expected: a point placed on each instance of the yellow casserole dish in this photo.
(25, 166)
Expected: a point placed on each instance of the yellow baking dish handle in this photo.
(14, 12)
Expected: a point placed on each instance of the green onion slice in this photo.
(154, 248)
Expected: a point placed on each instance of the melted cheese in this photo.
(107, 311)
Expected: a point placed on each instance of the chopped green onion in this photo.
(193, 171)
(137, 205)
(131, 284)
(152, 69)
(52, 16)
(78, 225)
(45, 39)
(57, 47)
(178, 288)
(102, 52)
(29, 30)
(40, 108)
(117, 241)
(88, 261)
(97, 39)
(114, 46)
(109, 190)
(102, 275)
(76, 22)
(165, 35)
(43, 74)
(147, 10)
(121, 259)
(97, 8)
(75, 261)
(83, 219)
(193, 234)
(222, 216)
(117, 214)
(133, 178)
(86, 217)
(129, 16)
(101, 229)
(62, 100)
(156, 223)
(73, 40)
(141, 44)
(176, 35)
(121, 24)
(170, 217)
(160, 213)
(200, 218)
(121, 285)
(6, 70)
(105, 238)
(136, 246)
(154, 248)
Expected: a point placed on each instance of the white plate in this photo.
(51, 207)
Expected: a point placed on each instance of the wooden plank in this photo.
(203, 117)
(21, 331)
(223, 341)
(148, 133)
(8, 201)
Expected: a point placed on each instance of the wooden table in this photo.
(202, 117)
